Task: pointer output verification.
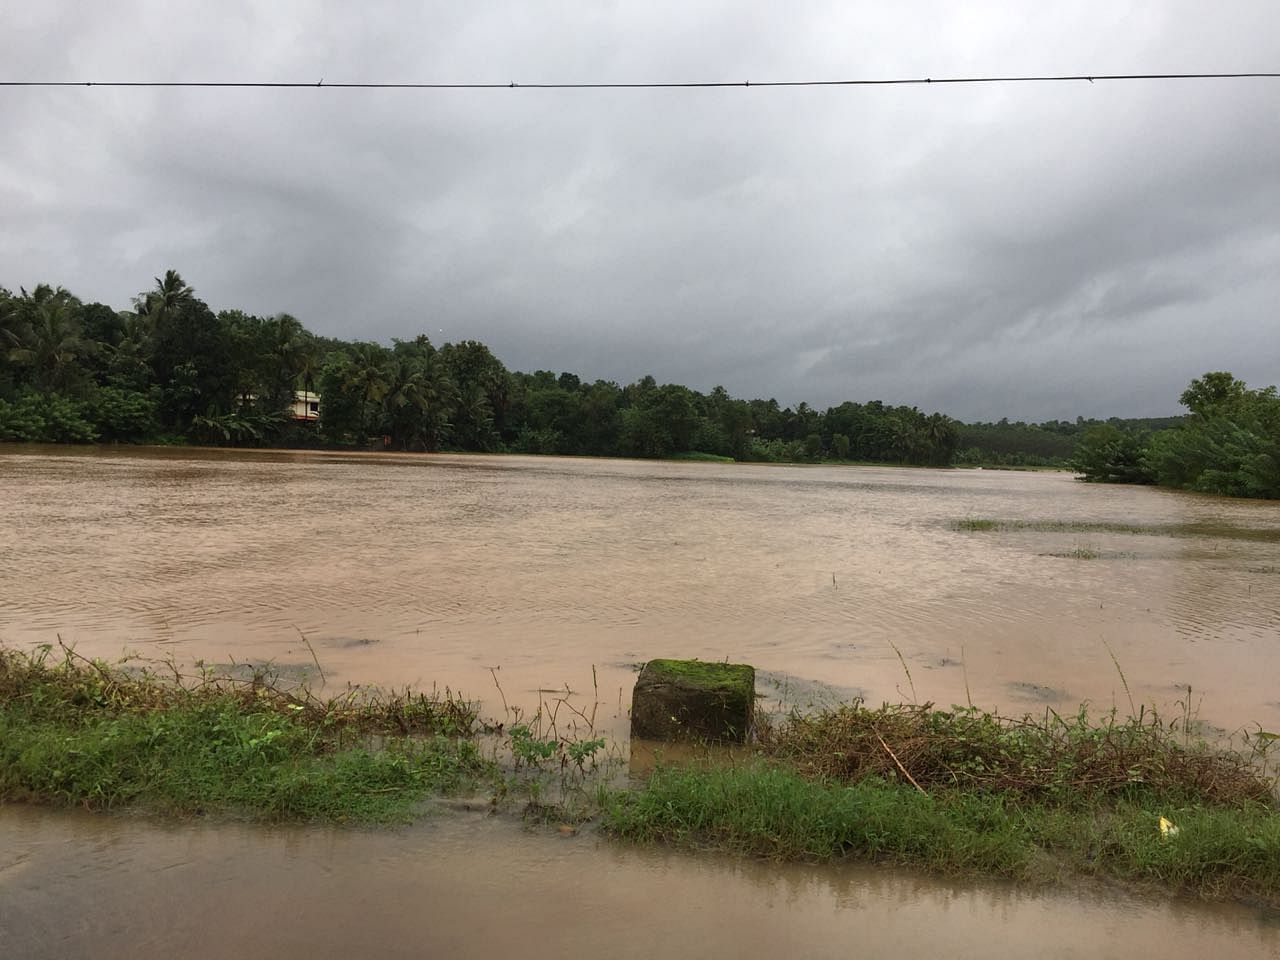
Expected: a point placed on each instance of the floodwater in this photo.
(517, 579)
(81, 886)
(476, 572)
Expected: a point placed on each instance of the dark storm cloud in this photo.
(1026, 251)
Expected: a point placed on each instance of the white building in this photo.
(305, 406)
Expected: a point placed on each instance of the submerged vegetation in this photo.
(1081, 552)
(956, 790)
(1222, 531)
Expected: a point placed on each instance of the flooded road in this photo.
(440, 569)
(81, 886)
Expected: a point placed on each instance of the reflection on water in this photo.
(434, 569)
(75, 886)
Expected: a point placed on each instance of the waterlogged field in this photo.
(1018, 591)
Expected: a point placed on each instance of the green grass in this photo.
(956, 790)
(773, 811)
(78, 733)
(965, 791)
(769, 811)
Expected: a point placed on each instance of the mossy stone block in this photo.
(693, 700)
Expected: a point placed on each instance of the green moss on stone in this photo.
(693, 700)
(706, 675)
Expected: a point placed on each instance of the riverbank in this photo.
(1040, 800)
(956, 791)
(78, 732)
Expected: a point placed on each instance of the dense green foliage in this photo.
(1230, 444)
(1052, 443)
(1106, 454)
(170, 368)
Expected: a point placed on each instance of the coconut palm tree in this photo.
(11, 322)
(904, 437)
(286, 345)
(417, 400)
(475, 417)
(368, 378)
(51, 342)
(130, 359)
(145, 329)
(309, 365)
(941, 437)
(171, 292)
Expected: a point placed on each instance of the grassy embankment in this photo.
(78, 732)
(960, 790)
(954, 790)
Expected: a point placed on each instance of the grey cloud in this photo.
(1032, 251)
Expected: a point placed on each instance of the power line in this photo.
(641, 85)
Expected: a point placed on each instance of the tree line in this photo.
(1229, 444)
(1049, 444)
(170, 369)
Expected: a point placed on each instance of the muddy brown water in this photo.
(76, 885)
(429, 570)
(453, 570)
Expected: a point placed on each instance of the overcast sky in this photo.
(1035, 251)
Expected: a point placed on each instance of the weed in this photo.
(1123, 681)
(906, 670)
(1072, 760)
(528, 749)
(580, 751)
(979, 524)
(1081, 551)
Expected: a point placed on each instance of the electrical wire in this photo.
(639, 85)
